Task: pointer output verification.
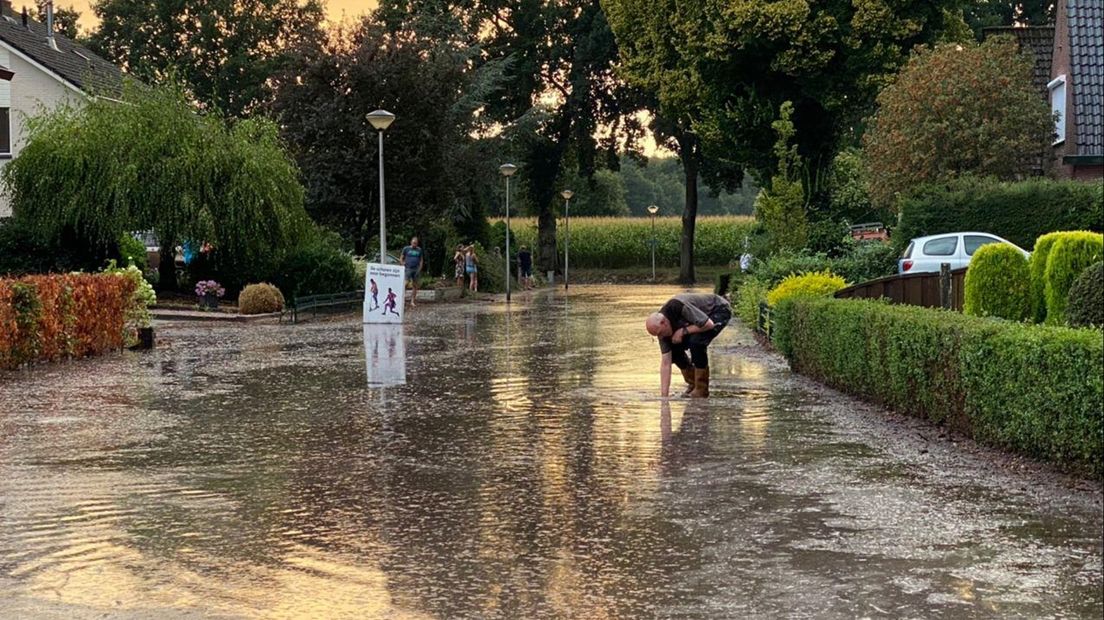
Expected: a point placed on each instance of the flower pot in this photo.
(145, 338)
(209, 301)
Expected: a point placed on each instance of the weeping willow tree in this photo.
(153, 162)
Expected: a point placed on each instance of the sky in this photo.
(334, 8)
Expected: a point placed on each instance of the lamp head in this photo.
(380, 119)
(507, 170)
(567, 194)
(653, 209)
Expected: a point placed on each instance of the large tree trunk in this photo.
(166, 269)
(689, 154)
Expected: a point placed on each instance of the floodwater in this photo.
(522, 467)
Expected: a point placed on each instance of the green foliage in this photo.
(781, 206)
(815, 284)
(224, 51)
(625, 242)
(955, 109)
(866, 260)
(260, 299)
(1085, 307)
(1018, 211)
(24, 250)
(1034, 389)
(143, 298)
(998, 283)
(777, 266)
(133, 252)
(316, 267)
(848, 193)
(1070, 255)
(153, 163)
(1037, 266)
(662, 182)
(492, 270)
(747, 297)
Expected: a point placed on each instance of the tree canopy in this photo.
(957, 109)
(153, 163)
(223, 51)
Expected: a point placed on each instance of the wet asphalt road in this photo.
(525, 469)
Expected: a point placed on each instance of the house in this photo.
(40, 70)
(1076, 88)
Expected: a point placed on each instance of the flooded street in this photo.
(526, 469)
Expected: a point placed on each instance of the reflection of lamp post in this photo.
(653, 210)
(381, 120)
(567, 194)
(507, 171)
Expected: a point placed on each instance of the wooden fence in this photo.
(914, 289)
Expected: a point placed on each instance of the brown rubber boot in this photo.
(701, 383)
(688, 377)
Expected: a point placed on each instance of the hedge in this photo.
(1037, 265)
(1017, 211)
(616, 242)
(998, 283)
(1071, 254)
(1037, 390)
(1086, 298)
(53, 317)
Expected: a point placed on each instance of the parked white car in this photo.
(926, 254)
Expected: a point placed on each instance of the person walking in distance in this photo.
(525, 268)
(458, 263)
(688, 322)
(471, 267)
(413, 260)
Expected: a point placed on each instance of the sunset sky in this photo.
(334, 8)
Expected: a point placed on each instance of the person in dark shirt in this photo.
(525, 268)
(688, 322)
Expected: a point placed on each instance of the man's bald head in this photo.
(658, 325)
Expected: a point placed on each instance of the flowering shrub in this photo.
(138, 315)
(209, 287)
(53, 317)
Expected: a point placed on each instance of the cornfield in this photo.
(615, 242)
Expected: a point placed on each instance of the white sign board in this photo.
(384, 290)
(385, 355)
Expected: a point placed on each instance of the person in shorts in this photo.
(471, 267)
(413, 260)
(688, 322)
(525, 268)
(458, 264)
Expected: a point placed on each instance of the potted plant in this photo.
(209, 293)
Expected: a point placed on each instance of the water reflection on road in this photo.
(517, 465)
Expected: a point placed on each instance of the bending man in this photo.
(688, 321)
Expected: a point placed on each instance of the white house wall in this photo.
(30, 92)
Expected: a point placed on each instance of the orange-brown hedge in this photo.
(53, 317)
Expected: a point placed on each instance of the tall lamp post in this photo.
(381, 120)
(507, 171)
(567, 194)
(653, 210)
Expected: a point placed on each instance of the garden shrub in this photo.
(315, 268)
(1085, 307)
(777, 266)
(1018, 211)
(865, 261)
(816, 284)
(132, 252)
(48, 318)
(1035, 389)
(1071, 254)
(1037, 266)
(260, 299)
(747, 297)
(137, 314)
(998, 283)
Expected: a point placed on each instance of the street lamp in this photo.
(381, 120)
(507, 171)
(567, 194)
(653, 210)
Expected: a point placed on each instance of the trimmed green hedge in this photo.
(1086, 298)
(1019, 212)
(998, 283)
(1034, 389)
(1037, 266)
(1071, 254)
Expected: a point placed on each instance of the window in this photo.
(943, 246)
(973, 242)
(1057, 88)
(5, 131)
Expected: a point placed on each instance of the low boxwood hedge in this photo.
(1034, 389)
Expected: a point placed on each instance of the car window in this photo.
(973, 242)
(908, 251)
(943, 246)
